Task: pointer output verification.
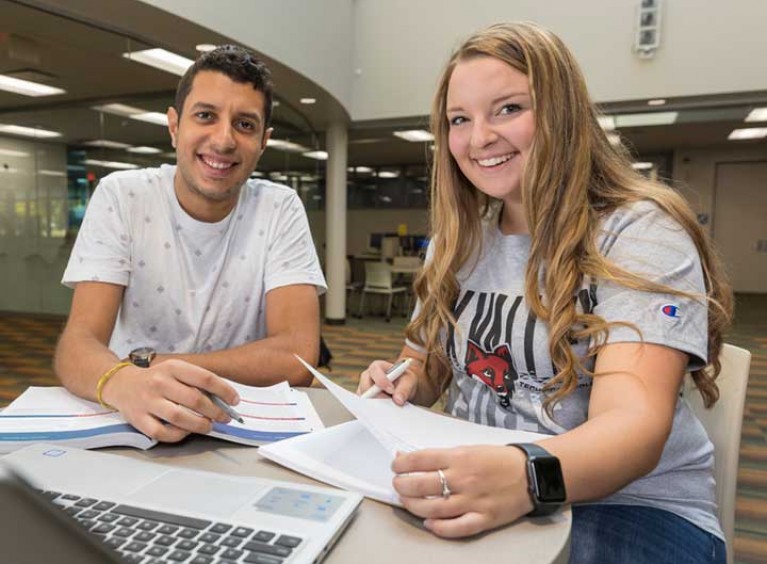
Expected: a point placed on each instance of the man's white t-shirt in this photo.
(191, 286)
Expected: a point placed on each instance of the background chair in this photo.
(723, 424)
(378, 280)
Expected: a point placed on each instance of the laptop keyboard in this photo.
(153, 537)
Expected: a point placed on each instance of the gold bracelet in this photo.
(105, 378)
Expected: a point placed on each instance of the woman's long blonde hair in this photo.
(573, 178)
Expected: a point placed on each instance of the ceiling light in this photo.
(13, 153)
(308, 100)
(256, 174)
(642, 166)
(649, 118)
(614, 139)
(110, 164)
(415, 135)
(318, 155)
(747, 133)
(360, 169)
(606, 122)
(119, 109)
(57, 173)
(656, 102)
(388, 174)
(757, 114)
(205, 47)
(275, 103)
(157, 118)
(161, 59)
(26, 87)
(106, 143)
(28, 131)
(144, 150)
(282, 145)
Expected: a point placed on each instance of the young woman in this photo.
(565, 294)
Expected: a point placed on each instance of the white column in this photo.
(335, 223)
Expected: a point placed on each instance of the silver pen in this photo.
(228, 409)
(395, 371)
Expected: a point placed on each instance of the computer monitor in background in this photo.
(374, 241)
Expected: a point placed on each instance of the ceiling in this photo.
(63, 47)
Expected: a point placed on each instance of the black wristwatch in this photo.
(544, 479)
(142, 356)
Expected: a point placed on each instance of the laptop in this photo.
(62, 504)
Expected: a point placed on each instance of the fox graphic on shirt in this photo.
(494, 369)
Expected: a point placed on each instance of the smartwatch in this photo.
(544, 479)
(142, 356)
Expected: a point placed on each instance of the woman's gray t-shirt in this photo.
(500, 353)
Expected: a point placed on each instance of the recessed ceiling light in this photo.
(13, 153)
(308, 100)
(747, 133)
(205, 47)
(415, 135)
(606, 122)
(649, 118)
(29, 131)
(26, 87)
(142, 150)
(388, 174)
(656, 102)
(642, 166)
(106, 143)
(161, 59)
(757, 114)
(290, 147)
(110, 164)
(361, 169)
(156, 118)
(317, 155)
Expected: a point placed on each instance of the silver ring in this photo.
(443, 483)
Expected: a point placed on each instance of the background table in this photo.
(379, 533)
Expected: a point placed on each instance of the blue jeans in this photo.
(633, 534)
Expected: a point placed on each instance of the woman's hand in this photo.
(487, 488)
(401, 390)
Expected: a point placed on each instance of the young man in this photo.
(193, 270)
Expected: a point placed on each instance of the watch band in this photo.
(532, 449)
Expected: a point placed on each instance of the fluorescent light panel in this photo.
(106, 144)
(29, 131)
(656, 102)
(290, 147)
(650, 118)
(161, 59)
(27, 87)
(308, 101)
(642, 166)
(606, 122)
(757, 114)
(13, 153)
(156, 118)
(119, 109)
(415, 135)
(144, 150)
(110, 164)
(747, 133)
(317, 155)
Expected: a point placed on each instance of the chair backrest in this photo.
(723, 424)
(378, 275)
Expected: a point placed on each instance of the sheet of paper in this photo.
(358, 455)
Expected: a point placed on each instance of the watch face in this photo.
(547, 479)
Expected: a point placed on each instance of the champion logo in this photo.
(670, 310)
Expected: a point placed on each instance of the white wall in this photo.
(313, 37)
(706, 47)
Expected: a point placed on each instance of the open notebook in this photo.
(53, 415)
(357, 455)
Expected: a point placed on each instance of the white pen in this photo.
(397, 369)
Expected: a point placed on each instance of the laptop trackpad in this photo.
(214, 495)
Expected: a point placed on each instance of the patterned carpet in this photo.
(27, 342)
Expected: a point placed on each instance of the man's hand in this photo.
(165, 401)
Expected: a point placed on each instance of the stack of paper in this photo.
(54, 415)
(358, 455)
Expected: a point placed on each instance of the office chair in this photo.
(723, 424)
(378, 280)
